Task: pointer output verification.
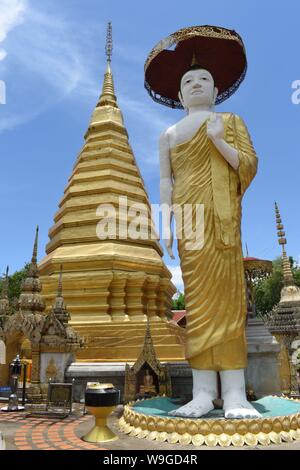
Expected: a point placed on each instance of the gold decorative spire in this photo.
(4, 302)
(30, 300)
(109, 42)
(108, 97)
(35, 247)
(288, 278)
(33, 268)
(4, 294)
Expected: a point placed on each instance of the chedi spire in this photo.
(108, 97)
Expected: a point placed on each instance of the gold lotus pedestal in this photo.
(149, 419)
(101, 400)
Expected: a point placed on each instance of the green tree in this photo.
(178, 303)
(14, 283)
(267, 291)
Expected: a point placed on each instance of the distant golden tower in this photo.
(109, 283)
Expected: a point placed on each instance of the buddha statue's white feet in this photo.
(199, 406)
(234, 409)
(236, 405)
(204, 392)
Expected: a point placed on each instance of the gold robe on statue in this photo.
(213, 276)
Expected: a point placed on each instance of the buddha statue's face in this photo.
(197, 89)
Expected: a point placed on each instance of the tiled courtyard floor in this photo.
(31, 433)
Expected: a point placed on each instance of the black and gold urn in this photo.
(100, 401)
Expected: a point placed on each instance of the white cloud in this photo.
(3, 54)
(52, 60)
(47, 50)
(12, 14)
(46, 55)
(176, 277)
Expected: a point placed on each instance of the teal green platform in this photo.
(267, 407)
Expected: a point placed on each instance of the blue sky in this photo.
(52, 62)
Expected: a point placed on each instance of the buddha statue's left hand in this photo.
(215, 127)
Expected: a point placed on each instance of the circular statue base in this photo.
(148, 419)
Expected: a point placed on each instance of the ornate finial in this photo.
(280, 227)
(35, 247)
(108, 97)
(288, 277)
(59, 290)
(109, 42)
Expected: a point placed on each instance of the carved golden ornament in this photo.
(135, 432)
(286, 424)
(294, 424)
(161, 425)
(237, 440)
(241, 428)
(250, 439)
(275, 437)
(151, 425)
(277, 426)
(263, 439)
(224, 440)
(203, 427)
(229, 428)
(198, 440)
(286, 436)
(162, 437)
(217, 429)
(144, 434)
(136, 422)
(185, 439)
(153, 436)
(181, 426)
(213, 432)
(211, 440)
(267, 426)
(294, 434)
(193, 428)
(144, 423)
(131, 419)
(170, 426)
(173, 438)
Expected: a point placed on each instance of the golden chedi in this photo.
(108, 283)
